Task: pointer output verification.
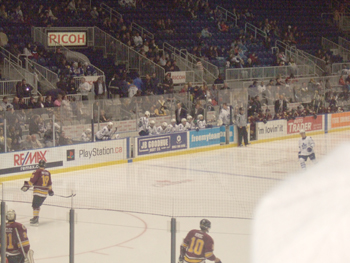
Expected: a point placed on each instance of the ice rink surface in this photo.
(123, 211)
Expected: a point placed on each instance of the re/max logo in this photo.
(29, 158)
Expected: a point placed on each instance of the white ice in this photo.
(222, 183)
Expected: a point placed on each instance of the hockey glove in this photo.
(309, 149)
(51, 193)
(181, 259)
(25, 187)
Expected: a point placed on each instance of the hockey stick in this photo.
(63, 196)
(20, 242)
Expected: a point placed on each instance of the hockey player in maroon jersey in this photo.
(41, 181)
(198, 245)
(18, 247)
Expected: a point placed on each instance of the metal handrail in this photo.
(228, 14)
(34, 67)
(191, 61)
(10, 56)
(255, 29)
(142, 30)
(111, 11)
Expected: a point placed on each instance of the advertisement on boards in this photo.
(161, 143)
(339, 120)
(178, 77)
(24, 161)
(308, 123)
(272, 129)
(205, 137)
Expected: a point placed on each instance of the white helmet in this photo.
(110, 124)
(88, 131)
(183, 120)
(189, 117)
(11, 215)
(200, 116)
(152, 122)
(147, 113)
(173, 121)
(164, 125)
(302, 131)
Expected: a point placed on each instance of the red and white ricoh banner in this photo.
(308, 123)
(178, 77)
(66, 39)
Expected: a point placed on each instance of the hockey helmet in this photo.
(302, 131)
(147, 113)
(189, 117)
(11, 215)
(164, 125)
(152, 122)
(205, 225)
(183, 120)
(110, 124)
(42, 163)
(173, 121)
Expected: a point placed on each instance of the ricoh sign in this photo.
(71, 39)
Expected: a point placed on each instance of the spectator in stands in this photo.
(3, 12)
(167, 66)
(138, 81)
(174, 66)
(205, 33)
(48, 102)
(197, 110)
(168, 85)
(94, 13)
(84, 88)
(100, 89)
(34, 125)
(88, 69)
(138, 41)
(71, 86)
(64, 140)
(58, 101)
(23, 89)
(103, 117)
(15, 50)
(76, 71)
(280, 104)
(180, 113)
(22, 104)
(15, 103)
(36, 144)
(5, 103)
(32, 104)
(27, 51)
(154, 83)
(132, 89)
(58, 56)
(223, 27)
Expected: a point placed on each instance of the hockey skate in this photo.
(34, 220)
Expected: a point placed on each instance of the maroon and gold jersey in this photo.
(13, 244)
(199, 246)
(41, 180)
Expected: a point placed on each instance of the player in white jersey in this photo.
(184, 125)
(152, 129)
(201, 123)
(163, 128)
(190, 122)
(173, 127)
(306, 149)
(224, 116)
(105, 133)
(144, 124)
(86, 136)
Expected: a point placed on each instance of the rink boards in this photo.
(17, 165)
